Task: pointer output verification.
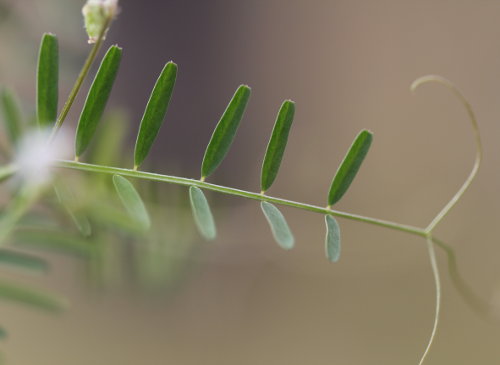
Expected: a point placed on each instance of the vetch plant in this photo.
(136, 219)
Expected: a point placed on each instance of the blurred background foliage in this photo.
(169, 296)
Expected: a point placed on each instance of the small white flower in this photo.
(35, 156)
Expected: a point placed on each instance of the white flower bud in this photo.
(96, 14)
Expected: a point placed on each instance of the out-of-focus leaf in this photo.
(53, 240)
(11, 115)
(108, 146)
(349, 166)
(277, 144)
(47, 88)
(23, 261)
(132, 201)
(17, 207)
(67, 199)
(107, 215)
(3, 335)
(224, 133)
(32, 297)
(7, 171)
(202, 214)
(332, 241)
(281, 231)
(97, 99)
(155, 112)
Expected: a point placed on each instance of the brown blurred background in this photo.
(348, 65)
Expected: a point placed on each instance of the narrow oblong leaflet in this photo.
(224, 133)
(47, 85)
(9, 107)
(155, 112)
(132, 201)
(97, 99)
(281, 231)
(202, 213)
(332, 240)
(277, 144)
(349, 166)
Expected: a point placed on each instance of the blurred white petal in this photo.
(35, 156)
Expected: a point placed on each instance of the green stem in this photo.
(232, 191)
(81, 77)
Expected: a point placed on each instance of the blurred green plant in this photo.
(97, 218)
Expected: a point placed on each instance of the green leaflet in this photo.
(132, 201)
(68, 201)
(202, 214)
(332, 241)
(224, 133)
(281, 232)
(11, 115)
(277, 144)
(32, 297)
(3, 335)
(23, 261)
(155, 112)
(350, 166)
(97, 99)
(47, 88)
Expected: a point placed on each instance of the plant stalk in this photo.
(237, 192)
(79, 81)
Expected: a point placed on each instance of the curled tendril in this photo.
(437, 280)
(479, 146)
(445, 210)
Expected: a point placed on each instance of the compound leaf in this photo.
(349, 166)
(155, 112)
(132, 201)
(224, 133)
(47, 89)
(202, 214)
(281, 231)
(332, 241)
(97, 99)
(277, 144)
